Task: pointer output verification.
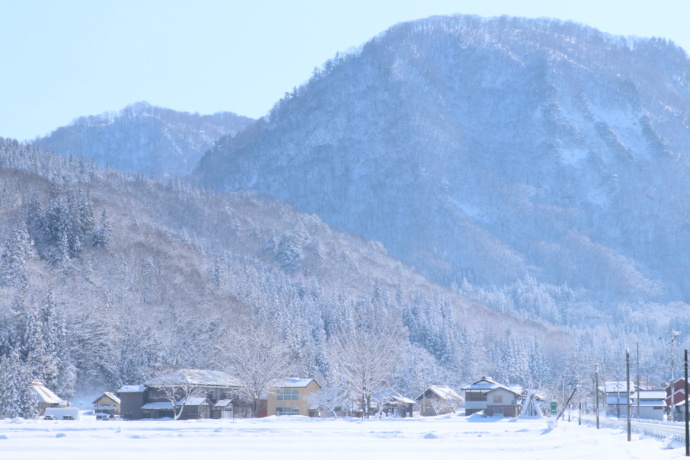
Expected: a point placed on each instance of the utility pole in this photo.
(687, 427)
(596, 390)
(627, 386)
(638, 381)
(674, 334)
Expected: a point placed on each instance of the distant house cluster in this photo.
(654, 404)
(207, 394)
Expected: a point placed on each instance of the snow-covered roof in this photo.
(158, 405)
(650, 402)
(650, 394)
(132, 389)
(107, 394)
(616, 399)
(293, 382)
(199, 377)
(442, 391)
(44, 395)
(401, 399)
(615, 387)
(486, 384)
(191, 401)
(223, 403)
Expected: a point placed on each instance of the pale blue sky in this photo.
(67, 58)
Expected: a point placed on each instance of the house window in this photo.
(287, 410)
(287, 394)
(498, 399)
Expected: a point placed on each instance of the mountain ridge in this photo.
(143, 138)
(489, 151)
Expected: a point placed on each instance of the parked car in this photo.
(102, 416)
(48, 417)
(67, 417)
(114, 417)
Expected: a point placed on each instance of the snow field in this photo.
(302, 438)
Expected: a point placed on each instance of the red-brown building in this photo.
(679, 389)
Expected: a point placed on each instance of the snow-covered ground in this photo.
(455, 437)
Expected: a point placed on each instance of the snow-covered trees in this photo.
(66, 227)
(17, 250)
(178, 390)
(363, 354)
(289, 253)
(256, 355)
(17, 397)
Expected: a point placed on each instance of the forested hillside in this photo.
(538, 165)
(108, 277)
(145, 139)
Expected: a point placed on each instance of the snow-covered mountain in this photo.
(143, 138)
(123, 275)
(494, 154)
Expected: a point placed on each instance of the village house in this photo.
(437, 400)
(678, 389)
(616, 397)
(398, 406)
(198, 393)
(648, 404)
(289, 397)
(493, 398)
(107, 403)
(45, 398)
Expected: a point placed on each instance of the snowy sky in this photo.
(68, 58)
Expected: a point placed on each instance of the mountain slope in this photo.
(491, 151)
(143, 138)
(143, 275)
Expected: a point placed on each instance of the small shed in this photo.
(438, 399)
(194, 408)
(222, 409)
(107, 403)
(398, 406)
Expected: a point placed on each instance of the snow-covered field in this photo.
(455, 437)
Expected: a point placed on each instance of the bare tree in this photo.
(177, 388)
(257, 356)
(364, 355)
(329, 398)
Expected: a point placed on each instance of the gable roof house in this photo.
(493, 398)
(651, 404)
(616, 397)
(45, 398)
(197, 393)
(107, 403)
(289, 397)
(438, 399)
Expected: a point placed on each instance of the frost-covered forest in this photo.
(108, 277)
(142, 138)
(493, 154)
(518, 185)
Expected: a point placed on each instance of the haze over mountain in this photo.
(143, 138)
(493, 154)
